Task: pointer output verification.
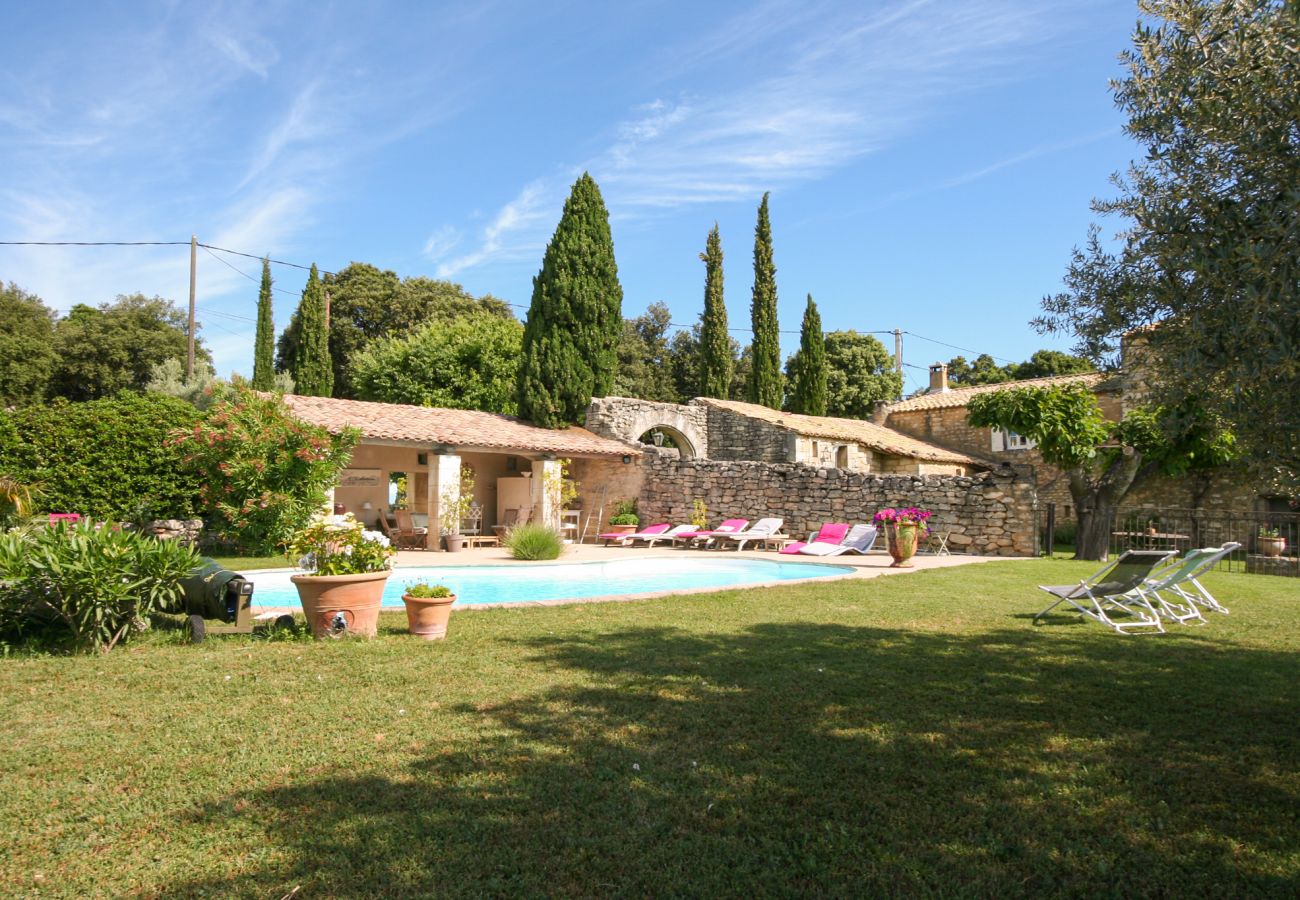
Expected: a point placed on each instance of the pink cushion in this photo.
(831, 533)
(795, 547)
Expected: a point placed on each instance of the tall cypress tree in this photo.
(575, 320)
(264, 343)
(765, 380)
(313, 372)
(808, 374)
(716, 363)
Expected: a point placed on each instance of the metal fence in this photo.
(1268, 539)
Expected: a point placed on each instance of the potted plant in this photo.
(625, 520)
(903, 528)
(346, 571)
(1270, 541)
(428, 609)
(453, 508)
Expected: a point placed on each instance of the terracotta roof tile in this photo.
(960, 396)
(456, 427)
(877, 437)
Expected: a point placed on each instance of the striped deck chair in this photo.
(1116, 589)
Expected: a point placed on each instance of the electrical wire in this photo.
(242, 272)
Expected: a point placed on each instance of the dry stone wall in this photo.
(991, 513)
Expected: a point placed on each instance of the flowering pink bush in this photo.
(907, 516)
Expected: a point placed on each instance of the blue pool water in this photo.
(523, 583)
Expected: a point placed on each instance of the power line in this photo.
(242, 272)
(96, 243)
(955, 347)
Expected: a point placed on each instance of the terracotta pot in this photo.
(1271, 546)
(336, 605)
(454, 542)
(427, 617)
(623, 529)
(902, 544)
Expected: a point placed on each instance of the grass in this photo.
(250, 563)
(906, 735)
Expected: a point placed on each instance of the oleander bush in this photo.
(534, 541)
(91, 583)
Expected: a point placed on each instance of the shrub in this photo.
(95, 582)
(340, 545)
(264, 474)
(107, 459)
(428, 591)
(625, 513)
(534, 542)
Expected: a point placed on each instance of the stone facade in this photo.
(627, 419)
(990, 513)
(187, 531)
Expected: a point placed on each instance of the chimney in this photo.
(938, 378)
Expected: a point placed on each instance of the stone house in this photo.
(939, 416)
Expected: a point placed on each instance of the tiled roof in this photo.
(960, 396)
(877, 437)
(455, 427)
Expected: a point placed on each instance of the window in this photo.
(842, 457)
(1008, 440)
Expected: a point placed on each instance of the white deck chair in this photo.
(1118, 587)
(860, 539)
(670, 535)
(1178, 578)
(763, 528)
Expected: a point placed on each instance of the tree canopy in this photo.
(27, 357)
(1208, 251)
(1103, 459)
(806, 370)
(765, 381)
(645, 357)
(859, 374)
(367, 303)
(985, 369)
(115, 346)
(575, 320)
(264, 340)
(466, 362)
(311, 366)
(716, 359)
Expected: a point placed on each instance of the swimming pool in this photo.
(524, 583)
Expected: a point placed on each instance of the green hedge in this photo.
(104, 458)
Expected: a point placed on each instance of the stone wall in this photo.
(733, 436)
(990, 513)
(609, 480)
(187, 531)
(626, 419)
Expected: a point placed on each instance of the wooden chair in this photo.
(409, 537)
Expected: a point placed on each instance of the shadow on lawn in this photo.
(814, 759)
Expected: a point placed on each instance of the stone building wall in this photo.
(607, 480)
(627, 419)
(991, 513)
(737, 437)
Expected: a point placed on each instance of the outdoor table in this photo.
(1145, 540)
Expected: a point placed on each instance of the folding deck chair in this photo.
(1119, 587)
(1178, 577)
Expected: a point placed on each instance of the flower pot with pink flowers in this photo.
(903, 529)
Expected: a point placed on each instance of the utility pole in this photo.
(189, 355)
(898, 351)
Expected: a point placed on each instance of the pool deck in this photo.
(872, 565)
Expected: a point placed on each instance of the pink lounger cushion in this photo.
(730, 526)
(830, 533)
(646, 532)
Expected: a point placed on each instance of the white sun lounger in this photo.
(763, 528)
(860, 539)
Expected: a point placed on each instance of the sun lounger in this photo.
(670, 535)
(624, 539)
(704, 537)
(763, 528)
(1118, 588)
(859, 539)
(829, 533)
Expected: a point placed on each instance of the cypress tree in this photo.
(808, 372)
(264, 343)
(313, 371)
(716, 363)
(765, 380)
(575, 320)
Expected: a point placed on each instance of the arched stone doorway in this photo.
(630, 420)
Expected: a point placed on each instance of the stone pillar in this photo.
(444, 486)
(546, 492)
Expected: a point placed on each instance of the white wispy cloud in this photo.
(830, 84)
(257, 58)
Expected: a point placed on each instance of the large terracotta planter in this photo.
(902, 544)
(428, 617)
(454, 542)
(623, 529)
(336, 605)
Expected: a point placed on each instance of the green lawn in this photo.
(906, 735)
(249, 563)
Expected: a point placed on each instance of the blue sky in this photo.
(930, 163)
